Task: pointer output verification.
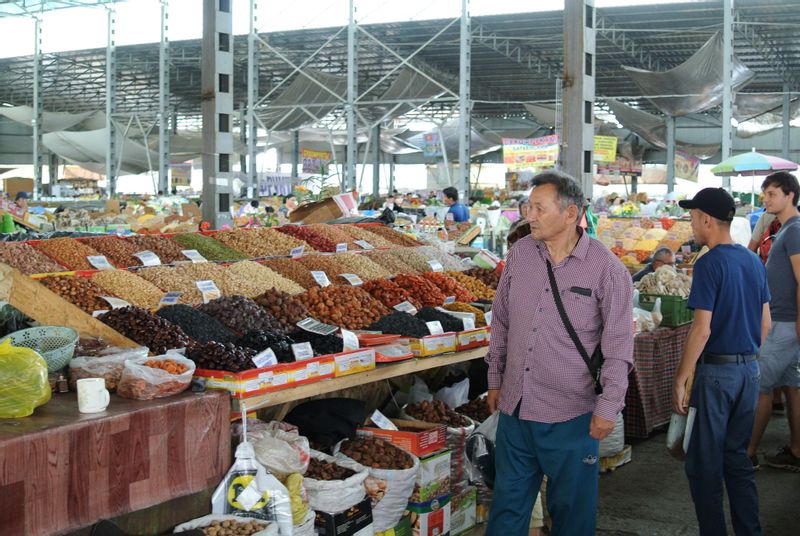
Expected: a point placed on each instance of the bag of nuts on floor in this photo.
(226, 525)
(156, 377)
(393, 472)
(334, 484)
(109, 365)
(459, 427)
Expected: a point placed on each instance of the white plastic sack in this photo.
(281, 452)
(679, 433)
(419, 392)
(397, 487)
(248, 490)
(141, 382)
(201, 522)
(615, 441)
(109, 364)
(334, 496)
(307, 528)
(455, 395)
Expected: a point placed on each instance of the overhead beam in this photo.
(515, 52)
(766, 48)
(626, 43)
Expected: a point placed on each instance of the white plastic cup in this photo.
(93, 396)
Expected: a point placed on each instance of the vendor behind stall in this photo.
(661, 257)
(459, 211)
(21, 201)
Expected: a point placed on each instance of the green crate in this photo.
(673, 308)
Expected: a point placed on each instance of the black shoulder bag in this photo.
(594, 363)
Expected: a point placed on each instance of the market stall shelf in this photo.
(62, 470)
(648, 402)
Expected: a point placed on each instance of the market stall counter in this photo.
(648, 403)
(61, 470)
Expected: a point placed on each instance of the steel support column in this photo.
(670, 153)
(163, 101)
(786, 146)
(579, 86)
(376, 162)
(351, 156)
(252, 97)
(37, 107)
(392, 170)
(217, 107)
(52, 168)
(295, 154)
(727, 81)
(111, 102)
(464, 102)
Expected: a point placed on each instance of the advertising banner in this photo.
(314, 161)
(686, 166)
(530, 153)
(605, 148)
(432, 148)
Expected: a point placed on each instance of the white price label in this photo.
(315, 326)
(469, 323)
(436, 266)
(326, 369)
(280, 379)
(363, 244)
(148, 258)
(435, 327)
(382, 422)
(267, 358)
(115, 303)
(313, 368)
(488, 318)
(302, 351)
(300, 375)
(350, 340)
(209, 290)
(341, 248)
(353, 279)
(321, 278)
(298, 252)
(450, 299)
(100, 262)
(170, 298)
(99, 312)
(193, 255)
(406, 307)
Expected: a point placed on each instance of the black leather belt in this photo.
(725, 359)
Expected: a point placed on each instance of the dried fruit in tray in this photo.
(400, 323)
(79, 291)
(147, 329)
(27, 259)
(293, 270)
(389, 293)
(422, 290)
(262, 242)
(166, 250)
(325, 263)
(396, 237)
(209, 248)
(490, 278)
(449, 322)
(333, 233)
(277, 341)
(414, 258)
(129, 286)
(392, 263)
(119, 252)
(240, 314)
(459, 307)
(362, 266)
(449, 286)
(474, 285)
(197, 325)
(286, 309)
(448, 262)
(436, 412)
(215, 355)
(349, 307)
(68, 252)
(264, 278)
(317, 241)
(376, 453)
(362, 233)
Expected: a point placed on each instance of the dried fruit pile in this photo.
(79, 291)
(477, 287)
(490, 278)
(208, 247)
(398, 323)
(436, 412)
(458, 307)
(318, 242)
(349, 307)
(167, 250)
(119, 252)
(286, 309)
(389, 293)
(362, 233)
(449, 286)
(395, 237)
(392, 263)
(28, 260)
(218, 356)
(449, 322)
(293, 270)
(147, 329)
(240, 314)
(422, 290)
(128, 286)
(198, 325)
(477, 410)
(68, 252)
(376, 453)
(278, 341)
(319, 470)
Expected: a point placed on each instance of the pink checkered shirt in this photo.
(532, 358)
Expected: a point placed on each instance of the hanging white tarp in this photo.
(693, 86)
(305, 101)
(758, 114)
(51, 121)
(88, 149)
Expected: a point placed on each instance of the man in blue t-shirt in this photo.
(459, 211)
(730, 298)
(779, 357)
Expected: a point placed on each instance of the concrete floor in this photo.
(650, 495)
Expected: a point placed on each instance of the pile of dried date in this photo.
(376, 453)
(436, 412)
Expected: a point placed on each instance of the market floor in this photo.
(650, 495)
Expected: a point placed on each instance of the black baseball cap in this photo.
(715, 202)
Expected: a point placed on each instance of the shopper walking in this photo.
(551, 416)
(779, 357)
(730, 299)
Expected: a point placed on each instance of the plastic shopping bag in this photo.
(334, 496)
(23, 381)
(142, 382)
(110, 365)
(480, 451)
(281, 452)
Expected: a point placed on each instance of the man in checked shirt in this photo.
(551, 420)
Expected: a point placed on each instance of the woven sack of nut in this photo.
(334, 484)
(156, 377)
(388, 488)
(229, 525)
(109, 365)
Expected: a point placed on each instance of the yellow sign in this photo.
(686, 166)
(605, 148)
(530, 153)
(314, 161)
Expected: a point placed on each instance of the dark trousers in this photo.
(525, 451)
(725, 397)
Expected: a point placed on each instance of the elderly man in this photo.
(562, 296)
(661, 257)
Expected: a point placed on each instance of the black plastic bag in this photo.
(327, 421)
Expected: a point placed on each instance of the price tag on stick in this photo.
(170, 298)
(341, 248)
(148, 258)
(115, 303)
(435, 327)
(382, 422)
(209, 290)
(315, 326)
(450, 299)
(302, 351)
(297, 252)
(193, 255)
(100, 262)
(406, 307)
(321, 278)
(267, 358)
(363, 244)
(436, 266)
(350, 340)
(488, 318)
(353, 279)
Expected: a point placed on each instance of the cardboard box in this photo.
(463, 511)
(431, 518)
(433, 478)
(319, 211)
(473, 338)
(354, 361)
(268, 379)
(428, 439)
(355, 521)
(433, 344)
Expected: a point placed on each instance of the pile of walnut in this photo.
(376, 453)
(319, 470)
(436, 412)
(233, 528)
(666, 281)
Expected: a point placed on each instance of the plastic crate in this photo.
(673, 308)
